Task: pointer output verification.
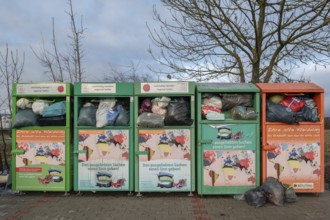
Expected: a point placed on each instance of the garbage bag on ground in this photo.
(150, 120)
(274, 191)
(229, 101)
(178, 113)
(25, 118)
(255, 197)
(290, 195)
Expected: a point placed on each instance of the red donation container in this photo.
(292, 125)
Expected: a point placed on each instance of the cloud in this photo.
(116, 33)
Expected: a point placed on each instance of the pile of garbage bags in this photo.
(271, 191)
(39, 112)
(240, 106)
(291, 109)
(164, 111)
(108, 112)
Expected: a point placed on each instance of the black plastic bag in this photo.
(274, 191)
(123, 117)
(229, 101)
(279, 113)
(150, 120)
(52, 121)
(255, 197)
(178, 113)
(25, 118)
(290, 195)
(307, 114)
(87, 116)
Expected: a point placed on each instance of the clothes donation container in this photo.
(228, 141)
(41, 143)
(103, 136)
(293, 134)
(165, 136)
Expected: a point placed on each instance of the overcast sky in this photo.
(116, 34)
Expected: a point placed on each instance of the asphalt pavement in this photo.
(169, 206)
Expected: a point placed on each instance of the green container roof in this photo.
(226, 87)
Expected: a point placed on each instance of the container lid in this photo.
(289, 87)
(227, 87)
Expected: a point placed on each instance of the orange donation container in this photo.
(292, 126)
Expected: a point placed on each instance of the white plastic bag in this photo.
(38, 106)
(105, 108)
(23, 103)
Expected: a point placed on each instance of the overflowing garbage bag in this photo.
(23, 103)
(123, 117)
(38, 106)
(150, 120)
(105, 112)
(291, 109)
(25, 117)
(87, 116)
(243, 113)
(239, 106)
(279, 113)
(145, 106)
(54, 109)
(178, 113)
(229, 101)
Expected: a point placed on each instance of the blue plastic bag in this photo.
(56, 109)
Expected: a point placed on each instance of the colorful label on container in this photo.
(294, 156)
(105, 163)
(166, 166)
(169, 87)
(41, 88)
(229, 154)
(108, 88)
(42, 166)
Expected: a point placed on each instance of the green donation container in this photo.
(103, 136)
(228, 138)
(41, 147)
(164, 136)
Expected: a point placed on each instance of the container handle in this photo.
(268, 147)
(80, 151)
(18, 152)
(294, 94)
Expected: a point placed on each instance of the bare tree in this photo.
(51, 59)
(257, 41)
(11, 70)
(76, 55)
(62, 66)
(127, 74)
